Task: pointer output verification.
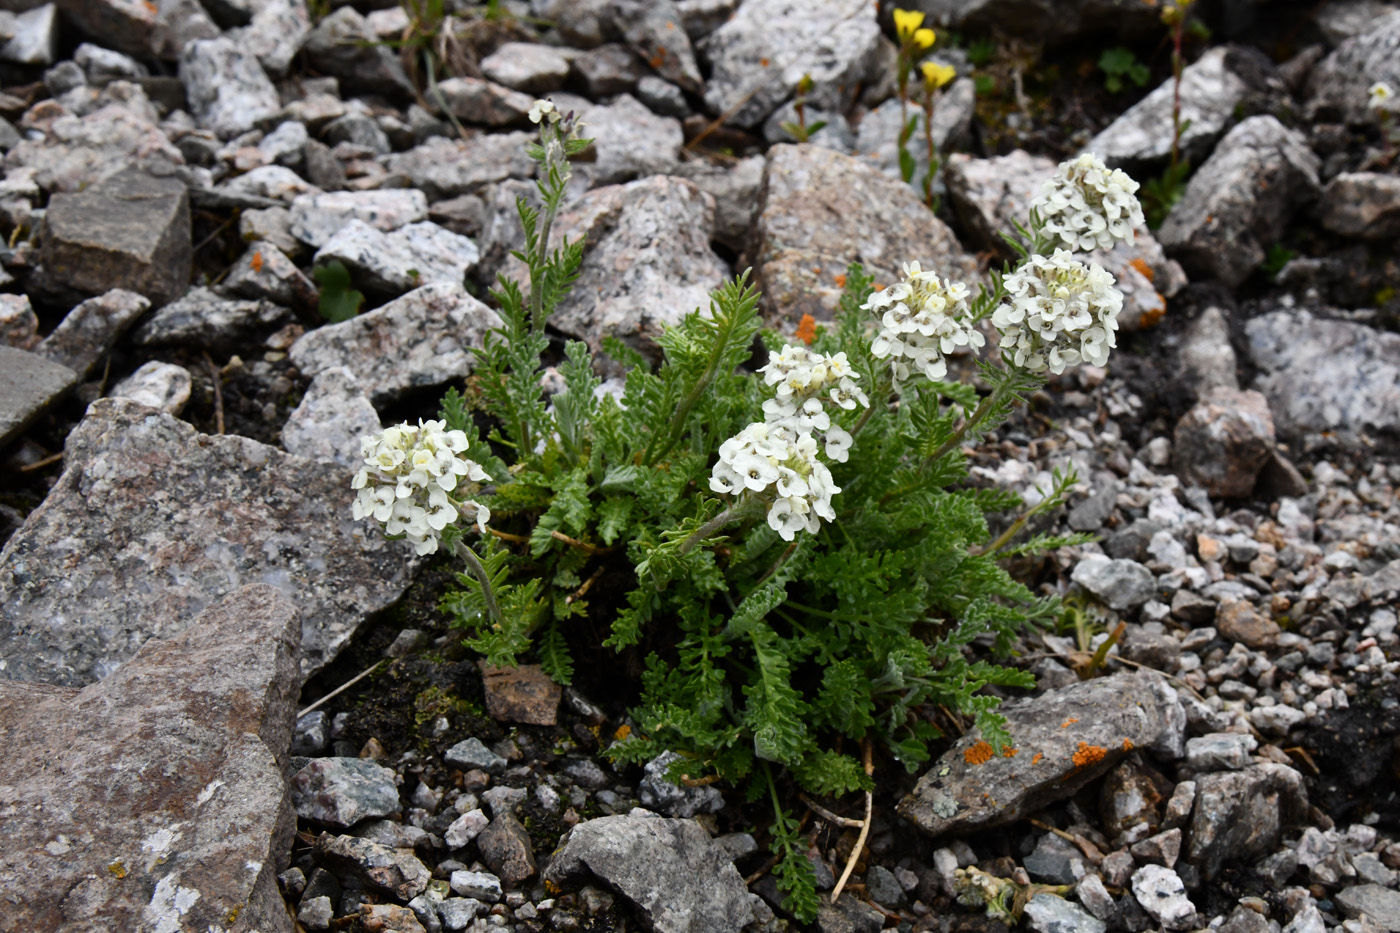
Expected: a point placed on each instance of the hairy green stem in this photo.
(683, 409)
(736, 512)
(978, 415)
(488, 595)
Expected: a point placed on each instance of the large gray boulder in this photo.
(679, 878)
(1239, 202)
(156, 799)
(1338, 87)
(151, 522)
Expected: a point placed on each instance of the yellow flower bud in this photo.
(923, 39)
(936, 75)
(906, 22)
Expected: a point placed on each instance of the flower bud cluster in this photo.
(1059, 312)
(778, 457)
(1089, 207)
(408, 480)
(922, 319)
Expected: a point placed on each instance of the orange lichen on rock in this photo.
(1088, 755)
(1008, 752)
(979, 754)
(1067, 722)
(1141, 265)
(1127, 745)
(257, 261)
(841, 280)
(622, 732)
(807, 329)
(1035, 759)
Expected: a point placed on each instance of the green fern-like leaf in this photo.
(831, 774)
(774, 710)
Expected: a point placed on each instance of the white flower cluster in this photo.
(780, 452)
(408, 478)
(780, 455)
(1060, 312)
(1381, 95)
(1089, 207)
(922, 318)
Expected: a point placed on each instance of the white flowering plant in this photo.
(786, 543)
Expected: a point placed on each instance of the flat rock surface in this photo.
(1062, 740)
(29, 384)
(422, 339)
(152, 521)
(675, 874)
(820, 210)
(155, 799)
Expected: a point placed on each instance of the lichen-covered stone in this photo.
(154, 800)
(151, 522)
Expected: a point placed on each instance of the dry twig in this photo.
(864, 826)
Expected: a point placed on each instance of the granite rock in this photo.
(1224, 441)
(341, 792)
(658, 793)
(72, 153)
(476, 100)
(165, 386)
(653, 28)
(228, 91)
(94, 841)
(330, 420)
(392, 263)
(317, 217)
(425, 338)
(670, 870)
(1240, 815)
(446, 168)
(152, 521)
(527, 66)
(275, 33)
(1121, 584)
(394, 871)
(1162, 894)
(630, 141)
(29, 385)
(88, 332)
(1337, 88)
(204, 318)
(1361, 204)
(343, 45)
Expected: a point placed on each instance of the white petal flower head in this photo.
(408, 479)
(1088, 206)
(1381, 96)
(922, 318)
(544, 110)
(1058, 312)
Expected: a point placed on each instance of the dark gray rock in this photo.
(735, 190)
(1052, 21)
(883, 888)
(228, 91)
(819, 211)
(1325, 375)
(1238, 203)
(130, 231)
(675, 875)
(321, 166)
(760, 53)
(505, 848)
(204, 318)
(669, 799)
(1239, 815)
(1052, 860)
(1361, 204)
(607, 70)
(373, 864)
(1338, 87)
(1063, 739)
(653, 29)
(359, 130)
(29, 385)
(1379, 905)
(89, 331)
(1223, 442)
(343, 791)
(19, 325)
(848, 915)
(312, 735)
(265, 272)
(422, 339)
(583, 24)
(662, 97)
(343, 45)
(155, 799)
(649, 260)
(165, 520)
(476, 100)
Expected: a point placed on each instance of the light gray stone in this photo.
(227, 89)
(130, 231)
(330, 420)
(1162, 894)
(271, 225)
(1207, 359)
(165, 386)
(479, 885)
(1325, 375)
(476, 100)
(35, 39)
(393, 263)
(311, 737)
(662, 97)
(103, 65)
(1339, 20)
(89, 331)
(670, 870)
(264, 271)
(457, 912)
(283, 145)
(1210, 92)
(317, 217)
(357, 130)
(1046, 913)
(165, 520)
(1338, 87)
(630, 140)
(425, 338)
(1240, 201)
(1075, 734)
(343, 45)
(465, 828)
(758, 56)
(669, 799)
(343, 791)
(275, 34)
(653, 29)
(316, 913)
(735, 190)
(527, 66)
(1122, 584)
(819, 211)
(72, 153)
(471, 753)
(877, 136)
(272, 182)
(446, 168)
(204, 318)
(1379, 905)
(1220, 751)
(19, 325)
(1361, 204)
(395, 871)
(209, 711)
(649, 261)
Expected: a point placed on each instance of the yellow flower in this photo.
(924, 38)
(936, 75)
(906, 22)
